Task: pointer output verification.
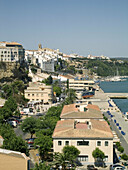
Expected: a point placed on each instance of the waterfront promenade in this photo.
(107, 104)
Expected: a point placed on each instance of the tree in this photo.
(59, 159)
(15, 143)
(121, 149)
(11, 141)
(57, 90)
(124, 157)
(67, 83)
(68, 155)
(98, 154)
(29, 125)
(71, 153)
(49, 80)
(41, 166)
(44, 143)
(11, 104)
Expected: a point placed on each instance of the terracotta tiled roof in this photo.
(93, 107)
(71, 112)
(67, 129)
(13, 43)
(69, 109)
(68, 76)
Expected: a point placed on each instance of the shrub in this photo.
(121, 149)
(118, 144)
(124, 157)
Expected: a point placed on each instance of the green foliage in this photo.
(124, 157)
(34, 70)
(67, 83)
(11, 104)
(118, 144)
(57, 90)
(15, 89)
(80, 71)
(68, 155)
(9, 108)
(15, 143)
(105, 68)
(97, 153)
(71, 96)
(11, 141)
(105, 118)
(29, 125)
(121, 149)
(71, 153)
(59, 159)
(48, 81)
(44, 143)
(41, 166)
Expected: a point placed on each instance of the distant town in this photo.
(53, 113)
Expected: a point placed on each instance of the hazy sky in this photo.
(74, 26)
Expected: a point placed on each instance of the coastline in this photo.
(105, 106)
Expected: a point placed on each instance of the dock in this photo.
(117, 95)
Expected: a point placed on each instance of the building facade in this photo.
(12, 160)
(39, 92)
(80, 85)
(86, 137)
(11, 52)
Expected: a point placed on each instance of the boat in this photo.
(88, 94)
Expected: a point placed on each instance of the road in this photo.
(114, 128)
(19, 132)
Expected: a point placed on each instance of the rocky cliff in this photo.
(7, 69)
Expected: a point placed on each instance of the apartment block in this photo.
(11, 52)
(80, 85)
(39, 92)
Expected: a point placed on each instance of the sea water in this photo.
(117, 87)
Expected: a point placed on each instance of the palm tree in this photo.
(59, 159)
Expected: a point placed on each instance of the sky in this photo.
(97, 27)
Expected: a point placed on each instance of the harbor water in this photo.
(117, 87)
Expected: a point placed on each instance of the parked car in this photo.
(91, 167)
(31, 141)
(117, 167)
(30, 146)
(12, 123)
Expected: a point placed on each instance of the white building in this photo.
(86, 137)
(11, 52)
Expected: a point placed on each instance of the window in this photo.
(59, 143)
(98, 143)
(106, 143)
(106, 158)
(5, 52)
(32, 94)
(83, 158)
(37, 95)
(66, 142)
(83, 143)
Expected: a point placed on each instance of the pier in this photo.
(117, 95)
